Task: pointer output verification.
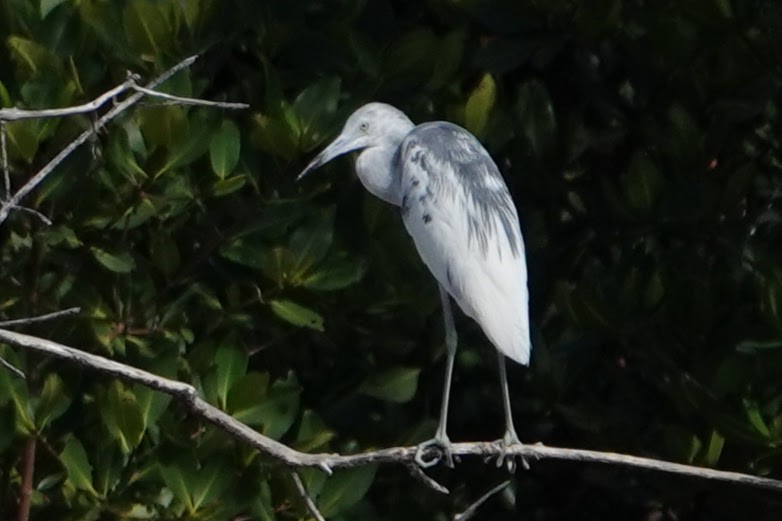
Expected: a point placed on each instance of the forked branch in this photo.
(12, 202)
(396, 455)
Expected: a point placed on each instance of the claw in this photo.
(507, 441)
(439, 447)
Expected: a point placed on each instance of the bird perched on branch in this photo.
(457, 208)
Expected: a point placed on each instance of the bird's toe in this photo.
(431, 452)
(509, 460)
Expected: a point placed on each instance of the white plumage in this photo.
(487, 278)
(457, 208)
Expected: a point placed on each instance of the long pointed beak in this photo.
(337, 147)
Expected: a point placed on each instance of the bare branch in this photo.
(42, 217)
(181, 100)
(41, 318)
(14, 114)
(13, 369)
(12, 202)
(4, 154)
(26, 488)
(472, 509)
(395, 455)
(306, 497)
(417, 472)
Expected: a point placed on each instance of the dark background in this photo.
(640, 141)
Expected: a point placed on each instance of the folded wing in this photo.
(460, 214)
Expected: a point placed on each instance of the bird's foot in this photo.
(430, 453)
(509, 460)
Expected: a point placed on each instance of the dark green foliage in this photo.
(640, 141)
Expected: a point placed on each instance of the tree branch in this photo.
(41, 318)
(14, 114)
(26, 488)
(313, 509)
(182, 100)
(12, 202)
(394, 455)
(472, 509)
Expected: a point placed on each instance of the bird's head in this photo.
(374, 124)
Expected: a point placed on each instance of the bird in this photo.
(459, 212)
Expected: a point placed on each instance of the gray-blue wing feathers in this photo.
(460, 214)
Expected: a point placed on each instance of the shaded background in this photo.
(640, 141)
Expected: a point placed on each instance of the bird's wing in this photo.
(460, 214)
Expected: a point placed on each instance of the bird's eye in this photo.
(364, 126)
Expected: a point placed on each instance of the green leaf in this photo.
(344, 489)
(5, 98)
(714, 449)
(275, 263)
(535, 111)
(58, 235)
(47, 6)
(275, 410)
(262, 506)
(14, 389)
(245, 250)
(189, 146)
(397, 385)
(162, 126)
(176, 479)
(122, 416)
(310, 242)
(77, 466)
(116, 262)
(209, 483)
(297, 314)
(30, 54)
(224, 149)
(479, 105)
(275, 135)
(315, 108)
(756, 418)
(336, 273)
(231, 364)
(52, 403)
(313, 434)
(137, 215)
(227, 186)
(146, 28)
(22, 140)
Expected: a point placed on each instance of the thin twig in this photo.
(41, 318)
(418, 473)
(4, 153)
(188, 396)
(472, 509)
(26, 491)
(42, 217)
(13, 202)
(14, 114)
(306, 497)
(13, 369)
(181, 100)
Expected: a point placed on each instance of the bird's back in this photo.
(460, 214)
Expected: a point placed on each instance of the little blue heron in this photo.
(457, 208)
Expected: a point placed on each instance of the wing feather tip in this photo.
(519, 352)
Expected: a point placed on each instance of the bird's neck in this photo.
(376, 170)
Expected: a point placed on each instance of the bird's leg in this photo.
(440, 440)
(510, 438)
